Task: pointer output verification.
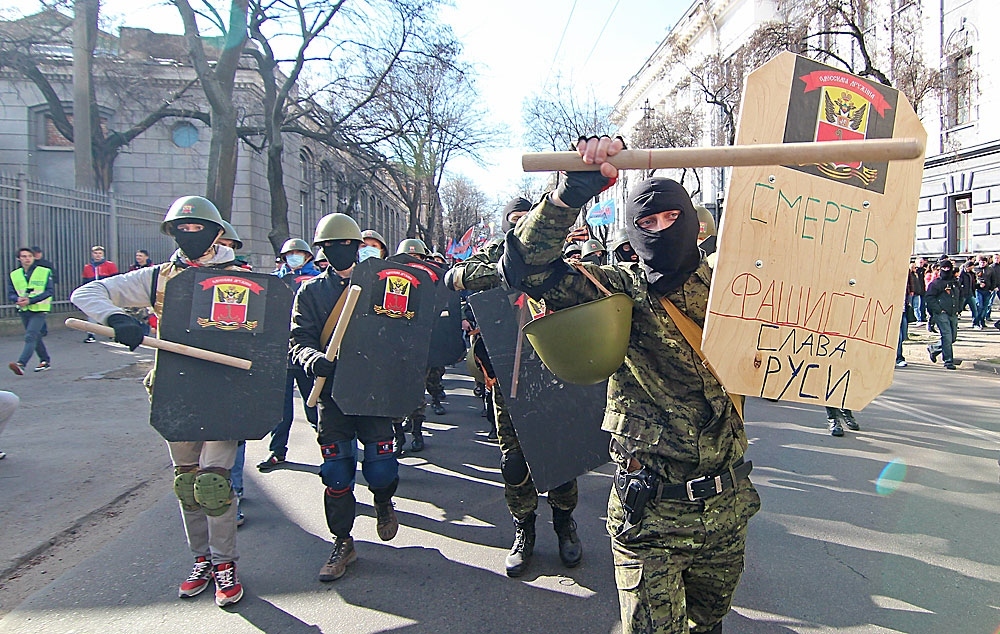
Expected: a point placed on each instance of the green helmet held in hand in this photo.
(586, 343)
(337, 227)
(413, 246)
(192, 209)
(295, 244)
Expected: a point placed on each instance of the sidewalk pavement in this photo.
(978, 348)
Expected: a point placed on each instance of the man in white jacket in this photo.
(201, 468)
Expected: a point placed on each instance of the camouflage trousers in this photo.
(676, 572)
(433, 383)
(522, 500)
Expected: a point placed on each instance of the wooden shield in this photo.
(233, 312)
(808, 291)
(558, 424)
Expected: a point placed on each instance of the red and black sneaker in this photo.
(228, 589)
(198, 580)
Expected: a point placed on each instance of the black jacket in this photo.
(967, 280)
(312, 306)
(944, 296)
(919, 287)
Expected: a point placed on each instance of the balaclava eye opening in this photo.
(671, 255)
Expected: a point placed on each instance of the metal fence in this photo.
(66, 223)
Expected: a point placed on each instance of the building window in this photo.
(184, 134)
(53, 137)
(959, 89)
(962, 206)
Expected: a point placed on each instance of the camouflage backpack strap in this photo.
(163, 274)
(692, 334)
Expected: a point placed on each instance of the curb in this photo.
(986, 366)
(21, 560)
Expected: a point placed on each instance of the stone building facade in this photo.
(139, 67)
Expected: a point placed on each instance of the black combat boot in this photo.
(524, 545)
(836, 429)
(850, 421)
(418, 436)
(570, 549)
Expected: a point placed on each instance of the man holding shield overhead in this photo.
(678, 515)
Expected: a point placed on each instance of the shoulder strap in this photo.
(692, 334)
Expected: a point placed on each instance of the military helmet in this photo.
(591, 246)
(229, 233)
(194, 208)
(295, 244)
(320, 257)
(571, 248)
(584, 344)
(619, 238)
(336, 227)
(375, 235)
(472, 367)
(706, 223)
(438, 254)
(413, 246)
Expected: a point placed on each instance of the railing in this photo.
(66, 223)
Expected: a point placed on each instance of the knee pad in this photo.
(213, 491)
(184, 487)
(380, 466)
(339, 465)
(514, 469)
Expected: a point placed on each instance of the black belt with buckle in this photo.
(704, 487)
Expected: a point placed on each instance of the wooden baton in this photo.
(338, 336)
(732, 155)
(160, 344)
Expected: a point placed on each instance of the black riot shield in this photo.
(558, 424)
(237, 313)
(447, 345)
(383, 359)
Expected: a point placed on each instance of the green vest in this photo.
(39, 280)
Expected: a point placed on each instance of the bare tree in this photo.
(676, 129)
(432, 101)
(218, 80)
(327, 35)
(555, 117)
(26, 47)
(464, 205)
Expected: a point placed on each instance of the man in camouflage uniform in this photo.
(678, 557)
(479, 273)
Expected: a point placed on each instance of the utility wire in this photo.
(561, 37)
(594, 47)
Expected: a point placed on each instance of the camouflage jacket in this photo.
(663, 405)
(479, 271)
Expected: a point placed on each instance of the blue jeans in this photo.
(985, 300)
(904, 333)
(34, 330)
(279, 435)
(236, 473)
(919, 308)
(947, 326)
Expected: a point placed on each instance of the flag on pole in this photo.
(603, 213)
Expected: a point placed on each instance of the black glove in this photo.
(128, 331)
(576, 188)
(322, 367)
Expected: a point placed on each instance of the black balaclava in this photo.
(517, 204)
(194, 244)
(669, 256)
(947, 269)
(623, 254)
(341, 256)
